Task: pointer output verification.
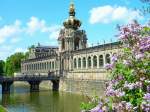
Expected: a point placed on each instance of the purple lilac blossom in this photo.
(147, 96)
(109, 66)
(129, 106)
(114, 58)
(145, 106)
(126, 62)
(145, 44)
(148, 89)
(139, 56)
(96, 109)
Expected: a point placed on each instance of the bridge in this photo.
(33, 80)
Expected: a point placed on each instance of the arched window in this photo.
(95, 61)
(26, 67)
(55, 64)
(45, 65)
(107, 58)
(35, 66)
(42, 65)
(89, 62)
(101, 61)
(84, 62)
(38, 66)
(79, 63)
(31, 66)
(52, 65)
(63, 44)
(76, 43)
(75, 63)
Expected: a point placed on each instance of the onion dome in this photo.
(72, 22)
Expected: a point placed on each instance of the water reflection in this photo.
(5, 99)
(44, 101)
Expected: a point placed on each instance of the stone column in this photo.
(97, 61)
(104, 59)
(81, 63)
(77, 62)
(86, 62)
(34, 86)
(6, 86)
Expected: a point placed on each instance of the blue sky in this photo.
(27, 22)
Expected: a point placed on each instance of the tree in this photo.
(13, 63)
(129, 87)
(2, 66)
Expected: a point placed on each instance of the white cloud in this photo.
(11, 34)
(10, 31)
(15, 40)
(20, 50)
(54, 31)
(107, 14)
(5, 50)
(35, 24)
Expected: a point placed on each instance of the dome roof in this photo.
(72, 22)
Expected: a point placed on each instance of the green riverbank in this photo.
(2, 109)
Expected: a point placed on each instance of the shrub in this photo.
(129, 87)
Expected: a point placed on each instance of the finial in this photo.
(71, 1)
(72, 9)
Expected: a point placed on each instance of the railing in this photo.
(29, 78)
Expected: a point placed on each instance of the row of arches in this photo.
(40, 66)
(91, 61)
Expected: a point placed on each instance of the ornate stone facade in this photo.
(73, 58)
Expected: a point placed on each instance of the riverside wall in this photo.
(80, 83)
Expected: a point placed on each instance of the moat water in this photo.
(21, 100)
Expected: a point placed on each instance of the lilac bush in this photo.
(129, 87)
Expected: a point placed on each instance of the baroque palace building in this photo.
(72, 58)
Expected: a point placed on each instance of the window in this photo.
(79, 63)
(38, 66)
(76, 43)
(42, 65)
(89, 62)
(101, 61)
(63, 44)
(84, 62)
(52, 65)
(45, 65)
(75, 63)
(107, 58)
(31, 66)
(55, 64)
(95, 61)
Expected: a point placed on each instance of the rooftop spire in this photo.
(72, 9)
(72, 22)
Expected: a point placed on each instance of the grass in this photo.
(2, 109)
